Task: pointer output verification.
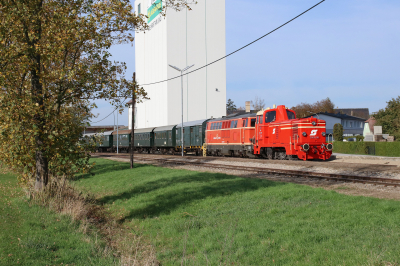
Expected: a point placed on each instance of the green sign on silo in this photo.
(154, 10)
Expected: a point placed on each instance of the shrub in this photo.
(360, 138)
(338, 132)
(390, 149)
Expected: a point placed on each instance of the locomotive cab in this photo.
(279, 135)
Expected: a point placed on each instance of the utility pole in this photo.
(133, 119)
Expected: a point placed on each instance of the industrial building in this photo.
(181, 39)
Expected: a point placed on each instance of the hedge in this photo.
(391, 149)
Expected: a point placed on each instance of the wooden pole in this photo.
(133, 120)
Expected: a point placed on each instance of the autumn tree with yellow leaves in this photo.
(54, 59)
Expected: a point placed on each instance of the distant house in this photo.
(352, 125)
(357, 112)
(369, 126)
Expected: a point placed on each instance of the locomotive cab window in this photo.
(290, 115)
(253, 122)
(270, 116)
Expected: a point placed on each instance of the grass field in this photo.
(195, 218)
(32, 235)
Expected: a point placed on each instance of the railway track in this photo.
(272, 171)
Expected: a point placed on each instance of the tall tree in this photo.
(54, 58)
(230, 105)
(338, 132)
(257, 103)
(305, 109)
(389, 118)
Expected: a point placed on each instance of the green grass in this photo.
(208, 218)
(32, 235)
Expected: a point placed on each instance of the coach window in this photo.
(270, 116)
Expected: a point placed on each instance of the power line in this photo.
(109, 114)
(265, 35)
(284, 24)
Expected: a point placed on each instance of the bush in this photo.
(390, 149)
(338, 132)
(350, 147)
(360, 138)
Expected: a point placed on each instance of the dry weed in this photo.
(61, 197)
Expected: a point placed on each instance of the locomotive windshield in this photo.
(290, 115)
(270, 117)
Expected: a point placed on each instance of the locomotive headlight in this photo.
(304, 134)
(313, 123)
(323, 134)
(329, 146)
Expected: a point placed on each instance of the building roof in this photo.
(101, 127)
(371, 123)
(229, 112)
(357, 112)
(235, 116)
(340, 116)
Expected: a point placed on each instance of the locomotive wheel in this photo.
(281, 155)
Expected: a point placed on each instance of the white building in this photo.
(181, 39)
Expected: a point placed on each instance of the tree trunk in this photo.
(42, 170)
(38, 96)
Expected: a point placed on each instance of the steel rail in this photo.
(274, 171)
(282, 172)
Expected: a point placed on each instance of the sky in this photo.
(347, 50)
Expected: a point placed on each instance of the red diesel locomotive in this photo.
(271, 133)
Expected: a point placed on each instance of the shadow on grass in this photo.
(205, 185)
(107, 167)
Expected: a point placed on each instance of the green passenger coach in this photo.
(193, 135)
(124, 140)
(144, 140)
(165, 139)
